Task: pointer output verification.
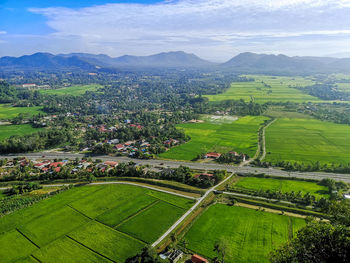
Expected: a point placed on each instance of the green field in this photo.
(284, 186)
(89, 224)
(239, 136)
(9, 112)
(344, 87)
(75, 90)
(6, 131)
(250, 235)
(281, 90)
(307, 141)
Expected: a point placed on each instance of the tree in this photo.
(317, 242)
(220, 247)
(184, 243)
(90, 177)
(340, 212)
(147, 255)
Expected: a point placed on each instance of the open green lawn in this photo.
(307, 141)
(255, 183)
(9, 112)
(239, 136)
(281, 90)
(75, 90)
(64, 229)
(250, 235)
(6, 131)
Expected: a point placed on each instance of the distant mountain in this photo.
(165, 59)
(44, 61)
(99, 60)
(277, 64)
(242, 63)
(84, 61)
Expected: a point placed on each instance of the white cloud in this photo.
(215, 29)
(3, 32)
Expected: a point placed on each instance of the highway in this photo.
(193, 165)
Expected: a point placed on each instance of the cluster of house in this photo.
(175, 255)
(131, 147)
(49, 166)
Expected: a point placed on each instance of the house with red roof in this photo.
(56, 164)
(198, 259)
(119, 147)
(203, 175)
(212, 155)
(111, 163)
(40, 165)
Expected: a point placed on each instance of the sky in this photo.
(215, 30)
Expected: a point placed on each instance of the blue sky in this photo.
(213, 29)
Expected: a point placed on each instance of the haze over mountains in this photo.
(242, 63)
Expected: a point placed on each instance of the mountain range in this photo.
(242, 63)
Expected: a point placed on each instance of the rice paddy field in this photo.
(105, 223)
(277, 89)
(75, 90)
(240, 136)
(6, 131)
(307, 141)
(255, 183)
(8, 112)
(250, 235)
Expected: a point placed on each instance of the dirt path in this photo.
(261, 145)
(263, 142)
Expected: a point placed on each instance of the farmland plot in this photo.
(64, 227)
(267, 88)
(157, 219)
(6, 131)
(239, 136)
(250, 234)
(301, 140)
(254, 183)
(9, 112)
(74, 90)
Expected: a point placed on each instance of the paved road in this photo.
(178, 222)
(193, 165)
